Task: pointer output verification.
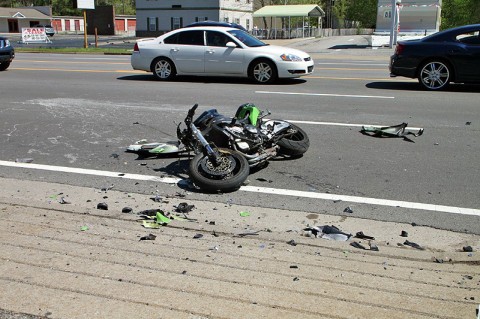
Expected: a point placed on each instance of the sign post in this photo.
(395, 27)
(84, 4)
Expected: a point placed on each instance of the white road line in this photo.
(325, 94)
(254, 189)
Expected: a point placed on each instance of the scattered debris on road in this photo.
(326, 232)
(399, 130)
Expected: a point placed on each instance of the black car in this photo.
(7, 53)
(451, 55)
(209, 23)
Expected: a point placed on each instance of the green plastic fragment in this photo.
(84, 228)
(244, 214)
(150, 224)
(162, 219)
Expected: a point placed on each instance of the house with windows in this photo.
(12, 20)
(155, 17)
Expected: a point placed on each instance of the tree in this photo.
(459, 12)
(363, 11)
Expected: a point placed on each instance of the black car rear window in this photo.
(186, 38)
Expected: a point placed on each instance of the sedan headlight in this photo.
(290, 57)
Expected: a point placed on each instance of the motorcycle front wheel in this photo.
(227, 175)
(295, 144)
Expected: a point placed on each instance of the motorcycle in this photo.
(227, 147)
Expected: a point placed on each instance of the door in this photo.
(187, 50)
(13, 26)
(220, 59)
(466, 56)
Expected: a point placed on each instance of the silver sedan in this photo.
(218, 51)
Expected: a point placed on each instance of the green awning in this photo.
(299, 10)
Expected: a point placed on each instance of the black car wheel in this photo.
(434, 75)
(4, 65)
(263, 71)
(163, 69)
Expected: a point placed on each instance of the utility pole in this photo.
(395, 22)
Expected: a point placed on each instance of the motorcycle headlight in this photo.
(290, 57)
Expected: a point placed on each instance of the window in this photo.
(247, 24)
(186, 38)
(217, 39)
(198, 19)
(225, 19)
(472, 38)
(176, 23)
(152, 23)
(237, 21)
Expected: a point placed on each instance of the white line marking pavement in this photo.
(254, 189)
(325, 94)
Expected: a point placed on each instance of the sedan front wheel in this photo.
(264, 71)
(163, 69)
(434, 75)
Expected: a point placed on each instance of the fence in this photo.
(307, 32)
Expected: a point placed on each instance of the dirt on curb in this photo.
(62, 257)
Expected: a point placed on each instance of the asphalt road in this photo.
(81, 111)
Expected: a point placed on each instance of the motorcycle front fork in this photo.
(210, 152)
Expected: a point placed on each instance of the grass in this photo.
(75, 50)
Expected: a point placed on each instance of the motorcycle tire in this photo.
(296, 144)
(226, 177)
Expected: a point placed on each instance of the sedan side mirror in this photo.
(231, 45)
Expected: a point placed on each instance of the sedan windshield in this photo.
(246, 38)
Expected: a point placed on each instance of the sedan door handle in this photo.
(211, 51)
(174, 50)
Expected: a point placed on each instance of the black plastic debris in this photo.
(184, 208)
(468, 249)
(23, 160)
(399, 130)
(102, 206)
(62, 200)
(148, 237)
(468, 123)
(149, 212)
(197, 236)
(373, 247)
(348, 210)
(261, 179)
(327, 232)
(106, 188)
(115, 155)
(361, 235)
(127, 210)
(358, 245)
(292, 242)
(404, 234)
(414, 245)
(293, 267)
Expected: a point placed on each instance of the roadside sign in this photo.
(34, 35)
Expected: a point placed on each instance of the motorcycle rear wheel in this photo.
(296, 144)
(228, 176)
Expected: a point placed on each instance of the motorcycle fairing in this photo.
(248, 110)
(276, 125)
(154, 148)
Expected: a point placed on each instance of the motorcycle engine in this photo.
(247, 137)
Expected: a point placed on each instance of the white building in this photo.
(416, 16)
(155, 17)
